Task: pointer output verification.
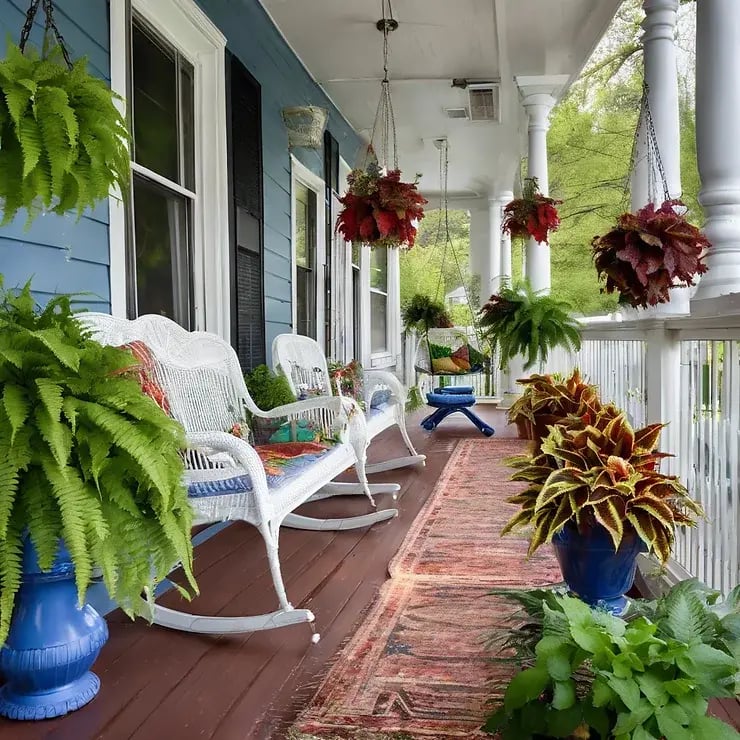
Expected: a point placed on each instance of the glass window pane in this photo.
(379, 269)
(378, 322)
(187, 117)
(305, 225)
(155, 105)
(305, 303)
(162, 254)
(356, 252)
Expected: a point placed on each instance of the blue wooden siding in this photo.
(60, 254)
(253, 38)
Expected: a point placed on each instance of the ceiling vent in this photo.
(457, 112)
(484, 102)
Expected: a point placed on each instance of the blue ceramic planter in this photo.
(593, 570)
(52, 644)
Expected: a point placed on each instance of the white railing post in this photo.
(663, 371)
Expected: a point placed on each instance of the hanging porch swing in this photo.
(445, 351)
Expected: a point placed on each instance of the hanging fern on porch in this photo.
(63, 141)
(85, 457)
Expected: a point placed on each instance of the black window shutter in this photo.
(245, 143)
(331, 178)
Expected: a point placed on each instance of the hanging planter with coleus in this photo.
(648, 253)
(533, 215)
(380, 209)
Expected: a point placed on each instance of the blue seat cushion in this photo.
(443, 400)
(453, 389)
(243, 484)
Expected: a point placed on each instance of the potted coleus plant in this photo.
(518, 321)
(379, 209)
(533, 215)
(594, 490)
(268, 390)
(91, 478)
(547, 400)
(650, 252)
(591, 675)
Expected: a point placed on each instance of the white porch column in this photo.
(717, 113)
(506, 269)
(661, 75)
(479, 252)
(538, 99)
(494, 247)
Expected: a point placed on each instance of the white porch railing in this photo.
(684, 371)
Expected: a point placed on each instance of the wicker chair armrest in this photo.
(238, 451)
(375, 380)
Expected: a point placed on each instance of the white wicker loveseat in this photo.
(304, 364)
(226, 478)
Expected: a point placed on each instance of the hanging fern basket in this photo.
(63, 140)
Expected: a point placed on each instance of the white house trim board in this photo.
(185, 26)
(300, 173)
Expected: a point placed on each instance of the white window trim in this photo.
(300, 173)
(188, 28)
(391, 356)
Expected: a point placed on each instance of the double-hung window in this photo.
(305, 258)
(379, 301)
(169, 246)
(160, 243)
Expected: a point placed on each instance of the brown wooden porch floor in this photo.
(158, 683)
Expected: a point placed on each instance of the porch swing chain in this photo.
(652, 154)
(384, 115)
(49, 25)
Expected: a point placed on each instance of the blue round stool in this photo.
(448, 402)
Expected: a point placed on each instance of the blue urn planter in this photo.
(593, 570)
(51, 645)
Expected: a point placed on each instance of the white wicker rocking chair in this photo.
(303, 362)
(205, 388)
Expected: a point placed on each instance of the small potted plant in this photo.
(91, 477)
(379, 209)
(591, 675)
(268, 390)
(547, 400)
(533, 215)
(595, 492)
(648, 253)
(519, 321)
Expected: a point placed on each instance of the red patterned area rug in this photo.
(417, 664)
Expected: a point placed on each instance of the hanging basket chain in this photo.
(652, 153)
(385, 119)
(49, 25)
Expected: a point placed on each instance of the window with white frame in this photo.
(160, 243)
(309, 251)
(379, 301)
(305, 260)
(168, 63)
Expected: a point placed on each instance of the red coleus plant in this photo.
(648, 253)
(380, 210)
(532, 215)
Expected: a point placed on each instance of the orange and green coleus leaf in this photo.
(647, 437)
(610, 514)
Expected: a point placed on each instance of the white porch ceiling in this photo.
(436, 41)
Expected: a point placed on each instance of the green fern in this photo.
(64, 141)
(85, 457)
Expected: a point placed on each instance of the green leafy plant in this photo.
(594, 471)
(423, 313)
(519, 321)
(63, 140)
(647, 675)
(267, 389)
(85, 457)
(548, 400)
